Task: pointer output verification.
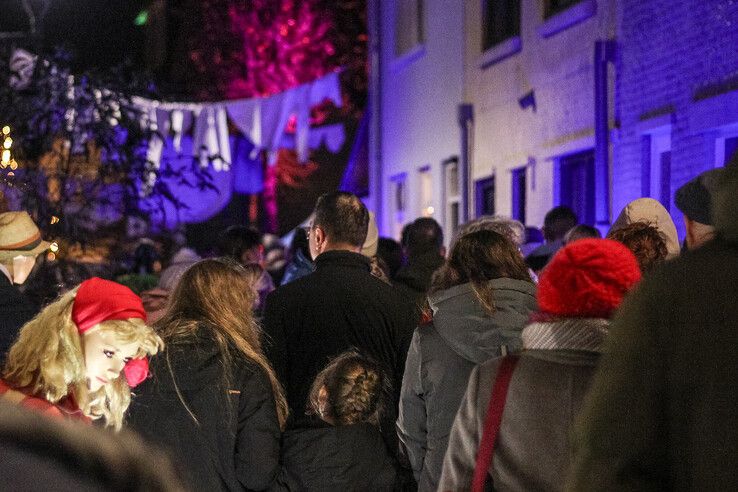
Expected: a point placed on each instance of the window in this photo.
(426, 192)
(553, 7)
(577, 184)
(409, 31)
(657, 166)
(485, 196)
(398, 203)
(725, 147)
(501, 20)
(730, 148)
(518, 194)
(452, 195)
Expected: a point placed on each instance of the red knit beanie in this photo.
(587, 278)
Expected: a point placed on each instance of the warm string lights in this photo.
(6, 158)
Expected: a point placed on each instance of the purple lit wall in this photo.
(677, 95)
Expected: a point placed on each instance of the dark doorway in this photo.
(485, 196)
(577, 184)
(519, 186)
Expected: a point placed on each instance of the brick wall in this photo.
(679, 64)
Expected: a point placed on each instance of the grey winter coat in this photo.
(441, 357)
(533, 449)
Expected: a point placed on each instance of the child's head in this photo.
(352, 389)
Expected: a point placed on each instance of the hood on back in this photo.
(470, 331)
(419, 272)
(653, 213)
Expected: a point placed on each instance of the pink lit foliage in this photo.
(284, 44)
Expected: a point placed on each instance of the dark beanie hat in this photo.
(587, 279)
(694, 198)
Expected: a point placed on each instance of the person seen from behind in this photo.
(338, 307)
(694, 200)
(512, 428)
(661, 414)
(425, 253)
(651, 212)
(557, 222)
(479, 301)
(20, 245)
(214, 401)
(343, 450)
(644, 241)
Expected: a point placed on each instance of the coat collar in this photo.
(566, 334)
(342, 258)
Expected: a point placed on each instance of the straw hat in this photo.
(19, 236)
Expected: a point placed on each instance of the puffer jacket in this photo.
(442, 355)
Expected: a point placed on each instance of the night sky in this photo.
(98, 33)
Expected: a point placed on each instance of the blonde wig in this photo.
(48, 360)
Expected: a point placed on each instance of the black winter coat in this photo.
(343, 458)
(414, 279)
(661, 413)
(234, 445)
(337, 307)
(15, 311)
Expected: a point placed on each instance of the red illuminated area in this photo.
(249, 49)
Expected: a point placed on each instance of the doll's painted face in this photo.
(105, 356)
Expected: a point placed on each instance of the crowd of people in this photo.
(354, 362)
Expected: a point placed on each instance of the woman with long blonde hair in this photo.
(214, 400)
(67, 361)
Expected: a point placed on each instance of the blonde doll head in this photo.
(79, 345)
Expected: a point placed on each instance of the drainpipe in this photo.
(466, 120)
(605, 51)
(374, 106)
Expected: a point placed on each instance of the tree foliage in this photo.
(81, 147)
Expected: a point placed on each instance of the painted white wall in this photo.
(560, 70)
(420, 93)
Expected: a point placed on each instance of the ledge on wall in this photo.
(714, 112)
(500, 51)
(569, 17)
(408, 58)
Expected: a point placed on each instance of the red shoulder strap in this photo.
(492, 421)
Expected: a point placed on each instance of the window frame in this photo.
(411, 51)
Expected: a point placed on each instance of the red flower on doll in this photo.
(136, 370)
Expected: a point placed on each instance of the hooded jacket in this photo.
(441, 357)
(227, 435)
(533, 449)
(661, 414)
(414, 279)
(652, 213)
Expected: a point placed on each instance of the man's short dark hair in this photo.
(424, 236)
(558, 221)
(236, 240)
(343, 217)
